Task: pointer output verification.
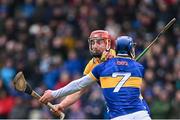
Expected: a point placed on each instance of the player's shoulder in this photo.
(133, 63)
(138, 64)
(108, 62)
(92, 62)
(101, 64)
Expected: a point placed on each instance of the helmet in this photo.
(125, 46)
(100, 35)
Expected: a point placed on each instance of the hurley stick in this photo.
(161, 32)
(21, 85)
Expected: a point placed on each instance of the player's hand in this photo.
(106, 55)
(57, 109)
(47, 96)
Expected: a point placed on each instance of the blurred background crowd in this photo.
(48, 41)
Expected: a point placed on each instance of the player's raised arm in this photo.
(72, 87)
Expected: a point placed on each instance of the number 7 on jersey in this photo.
(122, 81)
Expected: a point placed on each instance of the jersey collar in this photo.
(122, 56)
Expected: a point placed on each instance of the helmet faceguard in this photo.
(97, 36)
(132, 51)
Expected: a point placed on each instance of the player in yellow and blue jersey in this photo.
(120, 79)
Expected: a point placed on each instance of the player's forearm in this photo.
(73, 87)
(71, 99)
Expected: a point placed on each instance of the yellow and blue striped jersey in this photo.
(120, 80)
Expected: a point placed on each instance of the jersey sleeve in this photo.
(95, 73)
